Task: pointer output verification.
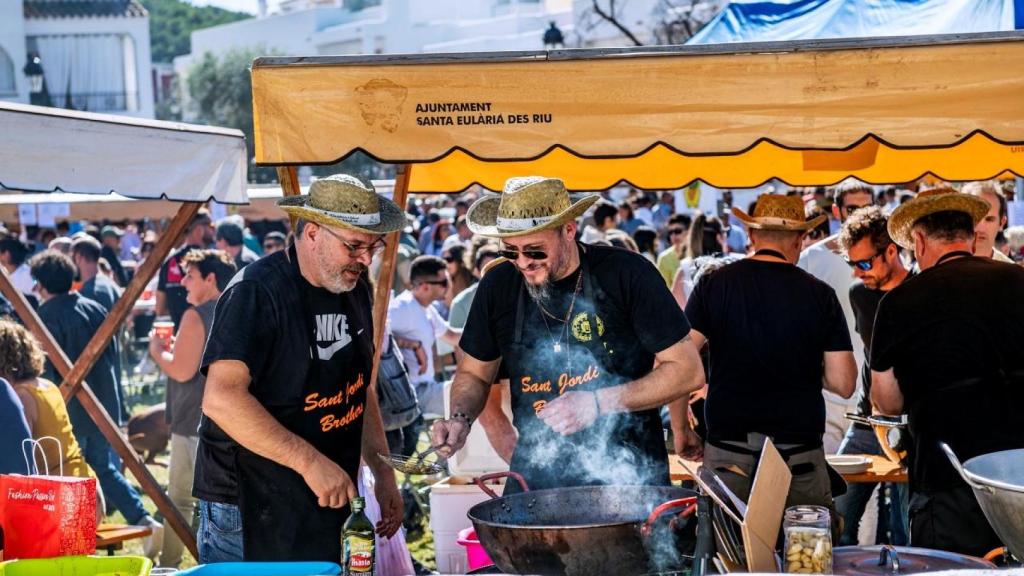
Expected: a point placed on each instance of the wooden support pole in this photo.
(288, 176)
(74, 374)
(382, 294)
(101, 339)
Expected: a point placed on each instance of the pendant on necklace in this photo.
(558, 347)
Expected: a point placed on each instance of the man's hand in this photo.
(332, 485)
(570, 412)
(689, 445)
(392, 508)
(448, 436)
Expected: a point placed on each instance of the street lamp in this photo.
(34, 72)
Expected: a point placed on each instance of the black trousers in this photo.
(951, 520)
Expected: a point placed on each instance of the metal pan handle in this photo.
(689, 503)
(479, 481)
(960, 469)
(888, 557)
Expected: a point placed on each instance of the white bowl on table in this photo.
(848, 464)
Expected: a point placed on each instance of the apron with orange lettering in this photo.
(618, 448)
(281, 518)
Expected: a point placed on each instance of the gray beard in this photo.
(540, 293)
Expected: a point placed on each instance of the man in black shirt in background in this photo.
(776, 333)
(875, 261)
(171, 296)
(948, 349)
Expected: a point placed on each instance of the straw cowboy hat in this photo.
(944, 199)
(346, 202)
(527, 205)
(778, 212)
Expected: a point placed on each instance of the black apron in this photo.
(619, 448)
(281, 518)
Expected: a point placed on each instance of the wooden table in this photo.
(880, 470)
(112, 537)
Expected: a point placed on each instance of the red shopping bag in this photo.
(46, 516)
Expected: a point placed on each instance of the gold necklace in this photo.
(557, 345)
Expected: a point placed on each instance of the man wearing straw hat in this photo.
(948, 350)
(287, 409)
(578, 329)
(776, 333)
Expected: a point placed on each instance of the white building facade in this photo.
(95, 54)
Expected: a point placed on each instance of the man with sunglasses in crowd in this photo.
(288, 408)
(823, 261)
(578, 329)
(669, 259)
(875, 261)
(417, 325)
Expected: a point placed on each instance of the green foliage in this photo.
(171, 22)
(220, 94)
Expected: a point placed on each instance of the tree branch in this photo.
(611, 19)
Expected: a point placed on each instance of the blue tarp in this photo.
(770, 20)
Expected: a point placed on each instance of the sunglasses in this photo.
(513, 255)
(450, 259)
(865, 264)
(674, 231)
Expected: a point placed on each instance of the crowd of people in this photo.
(608, 319)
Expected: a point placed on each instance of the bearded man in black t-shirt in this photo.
(288, 409)
(578, 329)
(776, 334)
(948, 350)
(875, 261)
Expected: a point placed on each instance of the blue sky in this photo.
(241, 5)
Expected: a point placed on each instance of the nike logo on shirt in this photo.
(332, 328)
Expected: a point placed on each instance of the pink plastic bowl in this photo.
(476, 556)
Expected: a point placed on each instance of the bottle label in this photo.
(360, 555)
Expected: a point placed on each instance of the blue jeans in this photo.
(852, 504)
(116, 489)
(220, 533)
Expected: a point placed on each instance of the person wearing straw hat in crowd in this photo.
(948, 350)
(777, 336)
(288, 409)
(578, 329)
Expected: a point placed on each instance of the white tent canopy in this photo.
(49, 149)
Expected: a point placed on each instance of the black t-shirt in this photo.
(768, 326)
(641, 320)
(954, 337)
(864, 302)
(172, 273)
(307, 354)
(612, 338)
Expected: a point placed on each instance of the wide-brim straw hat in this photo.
(903, 218)
(527, 205)
(346, 202)
(778, 212)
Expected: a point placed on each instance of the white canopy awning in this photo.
(49, 149)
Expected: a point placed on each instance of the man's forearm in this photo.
(247, 422)
(374, 439)
(669, 381)
(679, 415)
(469, 394)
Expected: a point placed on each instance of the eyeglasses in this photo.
(865, 264)
(513, 255)
(357, 250)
